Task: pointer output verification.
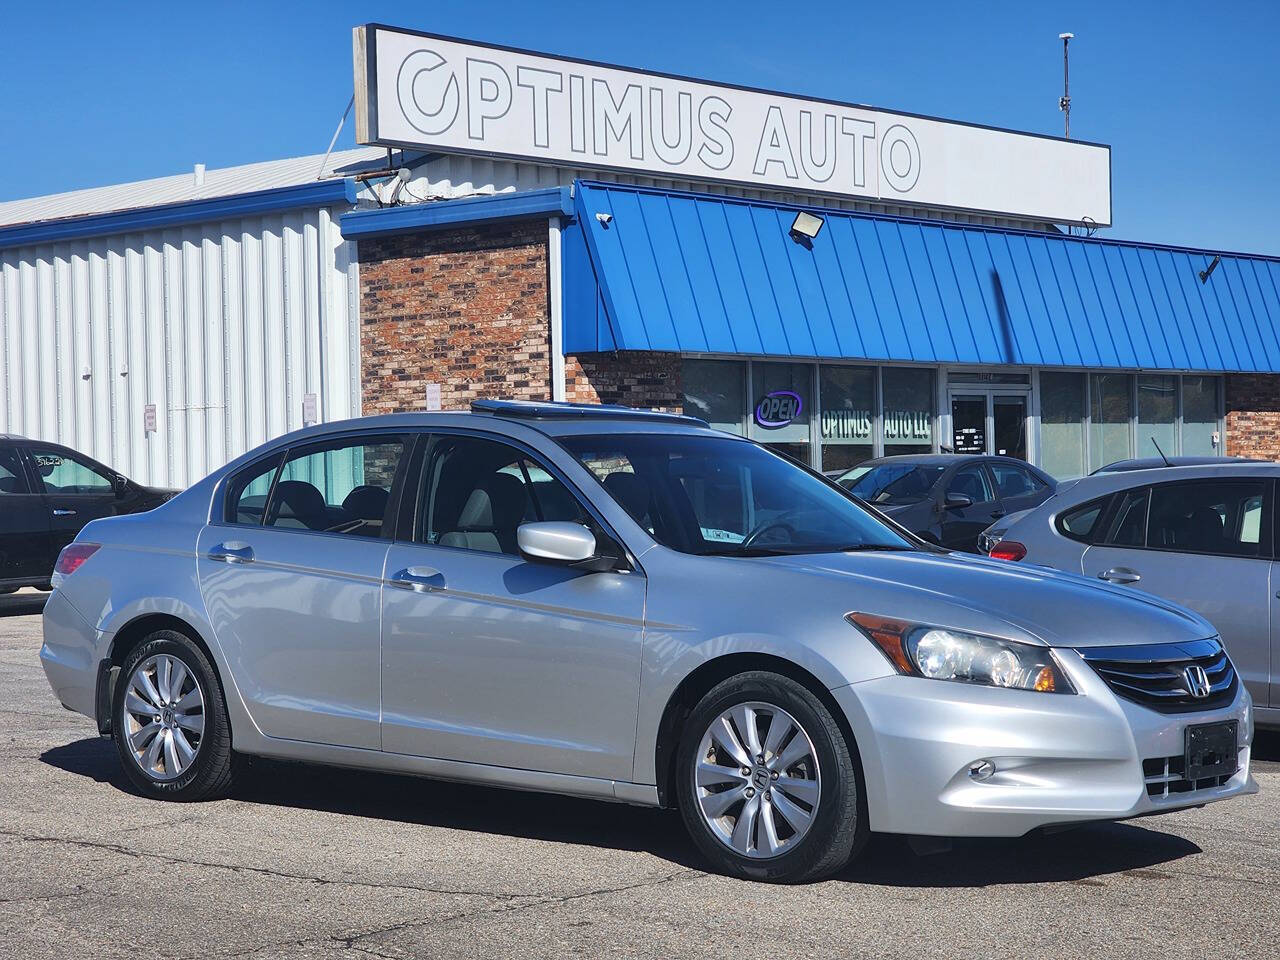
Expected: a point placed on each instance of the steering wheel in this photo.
(776, 523)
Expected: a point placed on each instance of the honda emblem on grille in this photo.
(1197, 681)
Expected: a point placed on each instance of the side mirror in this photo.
(560, 541)
(958, 501)
(119, 484)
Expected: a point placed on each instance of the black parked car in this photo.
(948, 498)
(47, 493)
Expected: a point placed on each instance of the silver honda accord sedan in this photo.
(628, 606)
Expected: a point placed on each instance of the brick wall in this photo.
(469, 309)
(649, 380)
(466, 308)
(1253, 415)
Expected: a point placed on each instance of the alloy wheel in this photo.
(757, 781)
(164, 717)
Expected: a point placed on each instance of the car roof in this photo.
(943, 459)
(1101, 484)
(1148, 463)
(549, 419)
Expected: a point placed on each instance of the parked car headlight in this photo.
(938, 653)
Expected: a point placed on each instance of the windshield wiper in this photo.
(870, 547)
(736, 550)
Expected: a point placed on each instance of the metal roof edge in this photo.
(318, 194)
(891, 218)
(435, 214)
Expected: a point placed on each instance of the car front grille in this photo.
(1161, 676)
(1164, 777)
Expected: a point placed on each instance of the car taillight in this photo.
(73, 556)
(1008, 550)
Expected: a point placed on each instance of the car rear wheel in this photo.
(170, 723)
(767, 786)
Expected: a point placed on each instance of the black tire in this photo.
(838, 831)
(211, 774)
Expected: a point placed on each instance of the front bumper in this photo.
(1059, 758)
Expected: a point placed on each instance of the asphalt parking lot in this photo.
(313, 862)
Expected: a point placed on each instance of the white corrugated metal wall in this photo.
(224, 326)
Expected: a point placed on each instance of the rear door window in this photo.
(341, 486)
(1014, 481)
(1222, 517)
(1128, 527)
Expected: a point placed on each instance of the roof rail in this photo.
(560, 410)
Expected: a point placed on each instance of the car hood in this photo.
(1020, 602)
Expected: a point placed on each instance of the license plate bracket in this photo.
(1211, 750)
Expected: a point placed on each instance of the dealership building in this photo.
(839, 281)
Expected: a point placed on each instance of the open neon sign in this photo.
(778, 408)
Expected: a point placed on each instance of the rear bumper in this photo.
(1058, 759)
(70, 655)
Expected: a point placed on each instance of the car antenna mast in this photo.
(1161, 452)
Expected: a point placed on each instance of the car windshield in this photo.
(717, 495)
(892, 483)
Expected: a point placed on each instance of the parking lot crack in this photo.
(263, 871)
(510, 904)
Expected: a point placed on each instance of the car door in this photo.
(962, 521)
(24, 521)
(76, 490)
(291, 574)
(1205, 544)
(489, 657)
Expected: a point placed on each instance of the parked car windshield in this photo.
(712, 495)
(892, 483)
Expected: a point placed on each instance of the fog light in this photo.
(982, 770)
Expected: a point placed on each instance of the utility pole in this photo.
(1065, 103)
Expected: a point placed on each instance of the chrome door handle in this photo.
(233, 551)
(418, 578)
(59, 512)
(1120, 575)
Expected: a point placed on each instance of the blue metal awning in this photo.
(666, 270)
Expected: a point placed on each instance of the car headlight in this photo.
(937, 653)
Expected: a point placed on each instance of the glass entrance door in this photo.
(1009, 425)
(969, 423)
(989, 422)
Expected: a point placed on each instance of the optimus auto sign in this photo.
(422, 91)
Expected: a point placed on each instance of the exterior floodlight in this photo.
(806, 225)
(1066, 36)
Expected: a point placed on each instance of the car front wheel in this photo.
(766, 783)
(170, 723)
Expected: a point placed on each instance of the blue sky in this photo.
(1187, 94)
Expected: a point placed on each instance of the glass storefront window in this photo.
(908, 403)
(1110, 410)
(1157, 415)
(1200, 405)
(1062, 424)
(848, 398)
(782, 399)
(716, 391)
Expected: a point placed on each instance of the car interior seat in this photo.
(298, 504)
(490, 516)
